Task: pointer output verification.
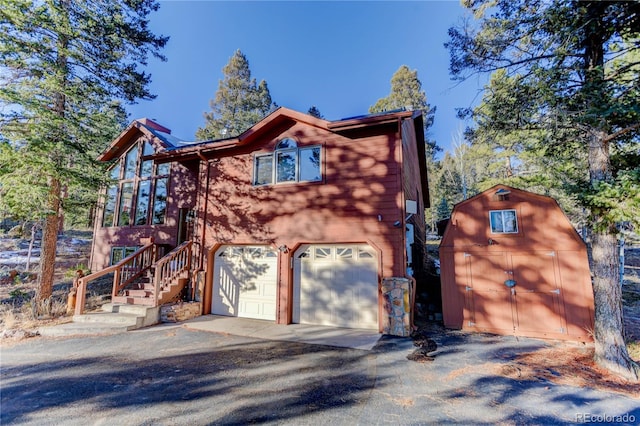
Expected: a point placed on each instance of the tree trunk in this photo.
(610, 348)
(48, 249)
(34, 230)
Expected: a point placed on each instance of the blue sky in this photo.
(338, 56)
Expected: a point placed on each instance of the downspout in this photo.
(204, 214)
(403, 201)
(204, 275)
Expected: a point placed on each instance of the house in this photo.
(296, 220)
(512, 263)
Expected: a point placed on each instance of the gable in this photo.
(538, 220)
(159, 137)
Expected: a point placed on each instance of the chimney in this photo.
(150, 123)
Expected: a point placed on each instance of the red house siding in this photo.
(357, 201)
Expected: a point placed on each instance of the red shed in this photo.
(512, 263)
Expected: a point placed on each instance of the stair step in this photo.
(138, 293)
(81, 328)
(122, 319)
(142, 286)
(139, 310)
(144, 301)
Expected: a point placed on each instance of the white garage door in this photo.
(245, 282)
(336, 285)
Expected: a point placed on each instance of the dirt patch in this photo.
(563, 363)
(566, 365)
(18, 286)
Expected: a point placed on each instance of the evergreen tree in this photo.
(406, 92)
(315, 112)
(63, 65)
(443, 210)
(239, 102)
(574, 68)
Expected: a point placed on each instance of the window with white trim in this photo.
(288, 163)
(503, 221)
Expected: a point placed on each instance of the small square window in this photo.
(503, 222)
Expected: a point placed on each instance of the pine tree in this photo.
(406, 92)
(574, 67)
(239, 102)
(315, 112)
(64, 65)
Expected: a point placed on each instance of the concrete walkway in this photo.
(302, 333)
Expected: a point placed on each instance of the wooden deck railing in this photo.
(125, 271)
(172, 267)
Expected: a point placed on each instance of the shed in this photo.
(512, 263)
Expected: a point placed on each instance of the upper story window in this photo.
(139, 194)
(288, 163)
(503, 221)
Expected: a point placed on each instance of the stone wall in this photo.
(398, 299)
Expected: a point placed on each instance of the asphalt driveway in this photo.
(173, 375)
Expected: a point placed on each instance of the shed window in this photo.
(288, 164)
(503, 221)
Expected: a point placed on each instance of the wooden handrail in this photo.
(125, 271)
(174, 265)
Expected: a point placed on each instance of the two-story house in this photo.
(296, 220)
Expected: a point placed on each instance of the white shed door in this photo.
(245, 282)
(336, 285)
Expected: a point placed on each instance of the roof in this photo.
(144, 126)
(280, 115)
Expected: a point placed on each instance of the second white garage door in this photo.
(245, 282)
(336, 285)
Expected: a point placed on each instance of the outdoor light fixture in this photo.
(283, 249)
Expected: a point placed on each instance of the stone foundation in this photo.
(398, 294)
(181, 311)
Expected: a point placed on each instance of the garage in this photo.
(336, 285)
(245, 282)
(512, 263)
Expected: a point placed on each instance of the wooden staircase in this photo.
(140, 292)
(140, 279)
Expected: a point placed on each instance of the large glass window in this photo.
(110, 206)
(288, 164)
(140, 195)
(131, 163)
(503, 221)
(160, 201)
(144, 197)
(126, 198)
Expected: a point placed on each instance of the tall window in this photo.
(139, 195)
(288, 164)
